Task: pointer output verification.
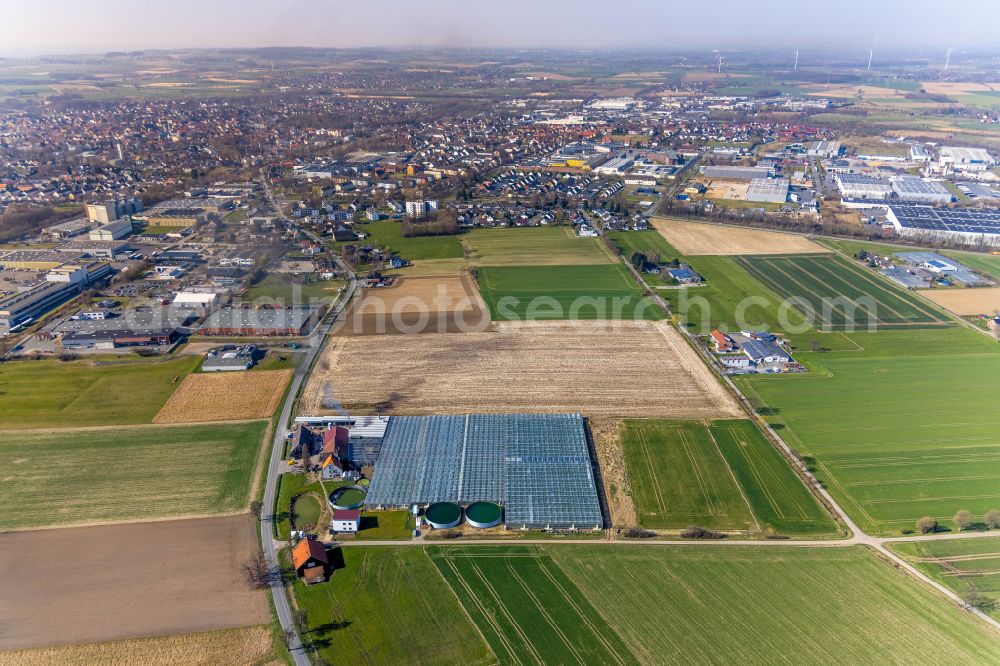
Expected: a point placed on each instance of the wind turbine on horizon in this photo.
(947, 59)
(871, 54)
(796, 68)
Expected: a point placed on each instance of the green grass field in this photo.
(65, 477)
(901, 427)
(771, 605)
(527, 608)
(723, 475)
(387, 605)
(534, 246)
(962, 565)
(839, 295)
(52, 394)
(564, 292)
(278, 288)
(388, 235)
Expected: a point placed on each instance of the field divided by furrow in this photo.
(770, 605)
(527, 608)
(839, 295)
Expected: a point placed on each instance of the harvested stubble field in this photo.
(418, 305)
(628, 368)
(90, 584)
(245, 646)
(225, 396)
(694, 238)
(965, 302)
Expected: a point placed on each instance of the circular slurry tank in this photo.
(351, 497)
(443, 515)
(483, 515)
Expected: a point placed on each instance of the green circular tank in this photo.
(443, 515)
(483, 514)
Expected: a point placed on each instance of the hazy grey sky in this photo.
(66, 26)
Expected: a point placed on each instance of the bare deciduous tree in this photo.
(257, 574)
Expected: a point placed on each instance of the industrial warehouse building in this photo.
(24, 307)
(916, 190)
(261, 322)
(537, 466)
(856, 186)
(768, 190)
(971, 226)
(736, 172)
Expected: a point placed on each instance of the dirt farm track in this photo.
(627, 368)
(88, 584)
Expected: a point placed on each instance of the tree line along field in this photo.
(48, 394)
(533, 246)
(719, 475)
(839, 295)
(962, 565)
(518, 293)
(388, 605)
(53, 477)
(902, 426)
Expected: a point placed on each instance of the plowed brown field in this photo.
(89, 584)
(628, 368)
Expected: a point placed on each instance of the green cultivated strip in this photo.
(53, 394)
(771, 605)
(564, 292)
(386, 605)
(533, 246)
(138, 473)
(679, 477)
(723, 475)
(777, 495)
(840, 295)
(527, 607)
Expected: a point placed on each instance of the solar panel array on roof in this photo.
(957, 220)
(537, 465)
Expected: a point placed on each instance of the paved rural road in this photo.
(276, 466)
